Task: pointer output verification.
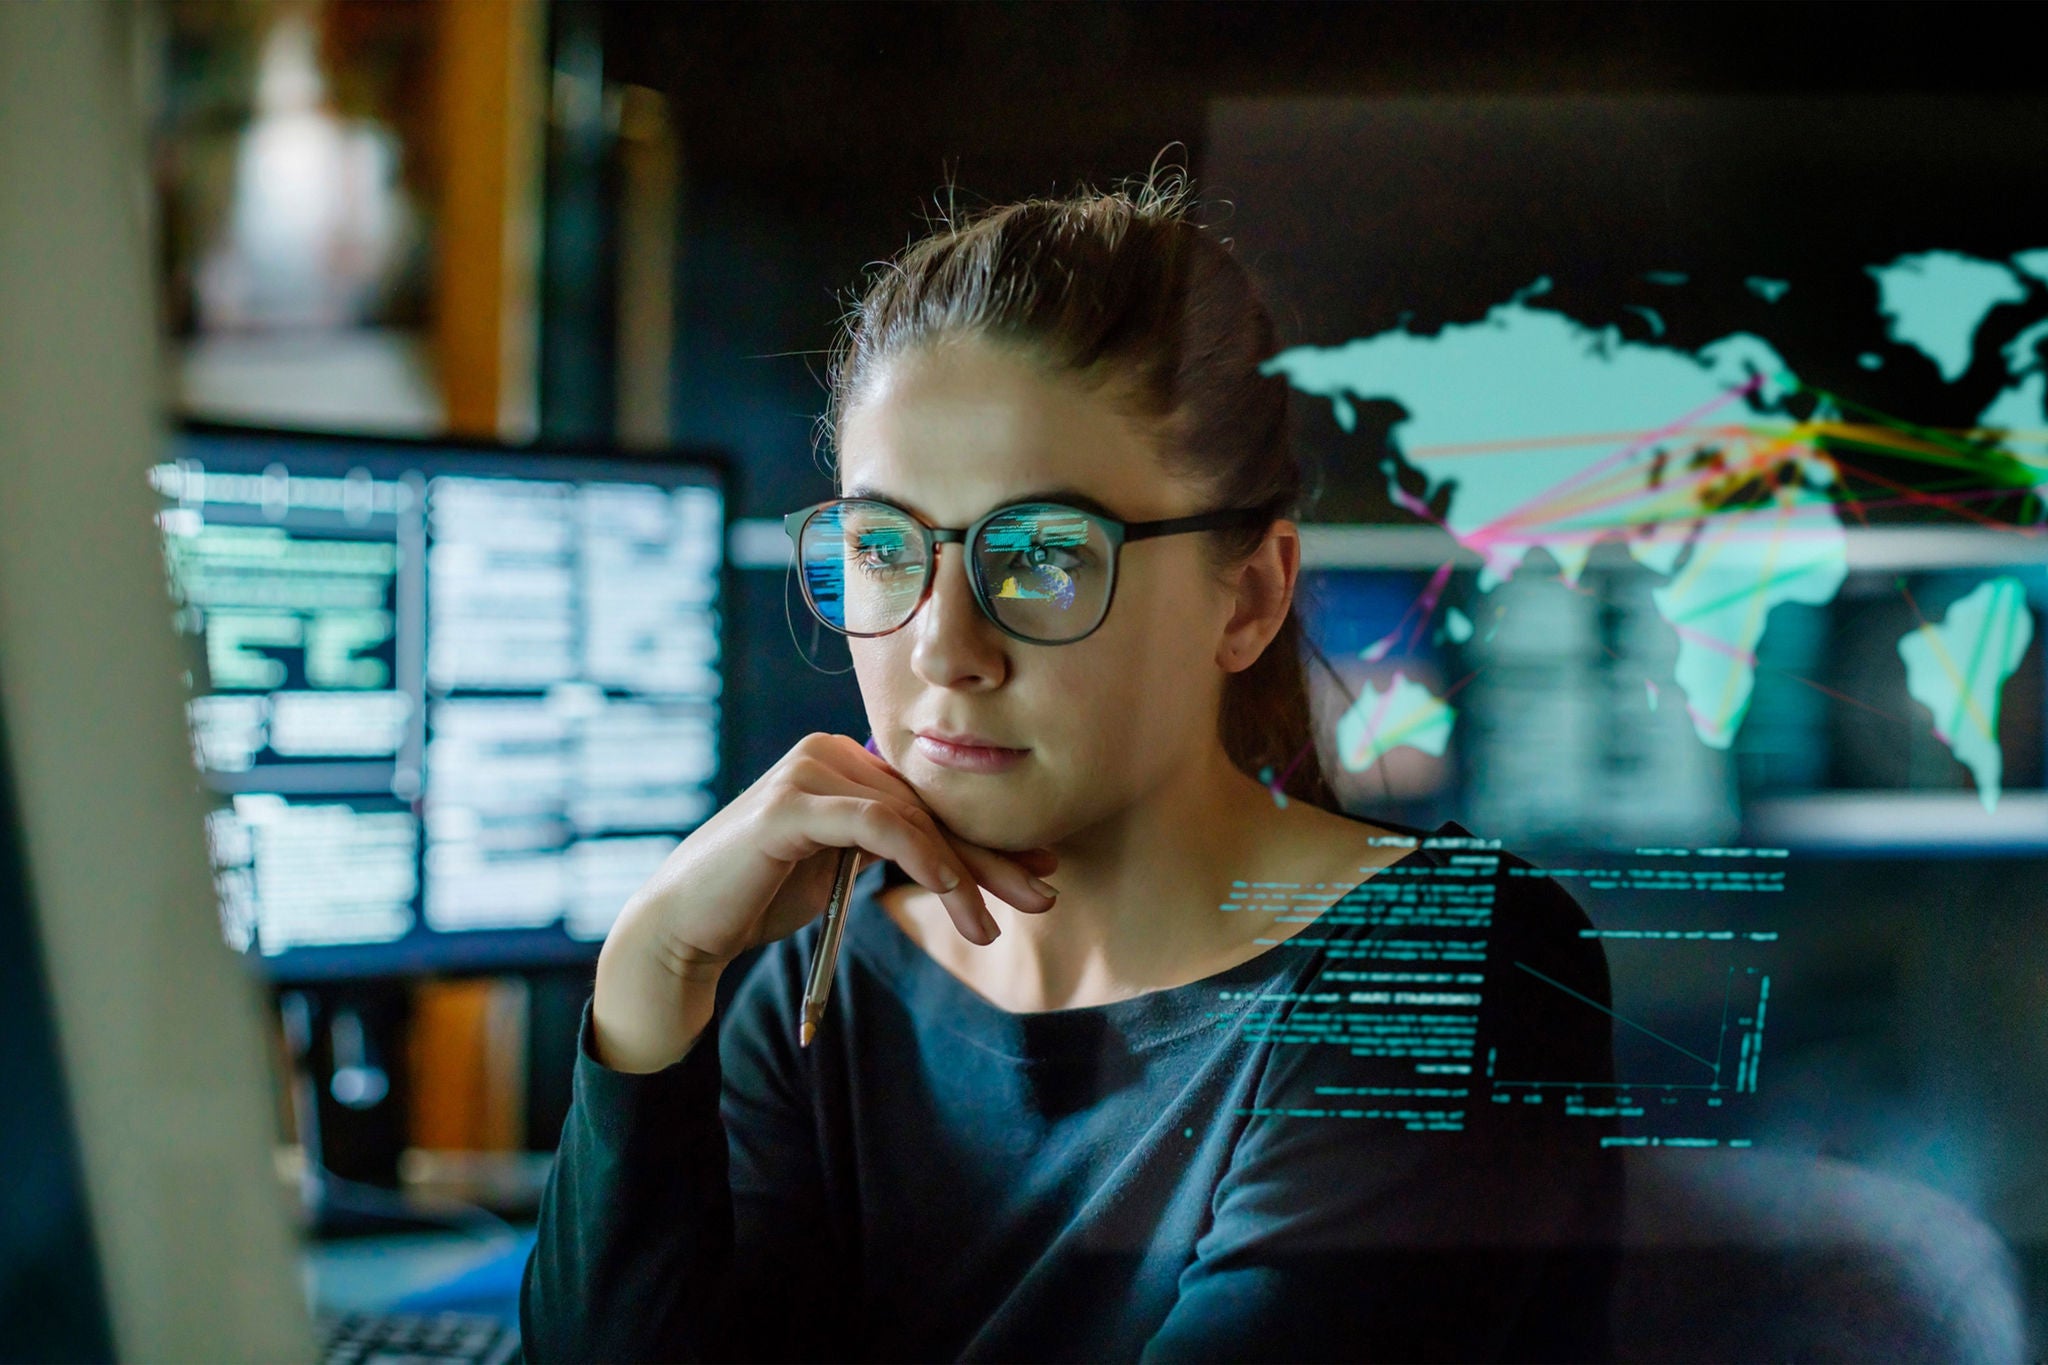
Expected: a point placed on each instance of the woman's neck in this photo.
(1141, 895)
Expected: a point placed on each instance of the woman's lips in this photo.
(969, 758)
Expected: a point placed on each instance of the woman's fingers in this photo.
(1018, 877)
(907, 836)
(969, 912)
(860, 817)
(1039, 862)
(1005, 874)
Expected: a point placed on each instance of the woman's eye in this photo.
(879, 558)
(1066, 558)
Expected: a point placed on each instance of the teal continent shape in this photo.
(1934, 301)
(1406, 713)
(1957, 669)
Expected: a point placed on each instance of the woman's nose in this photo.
(956, 646)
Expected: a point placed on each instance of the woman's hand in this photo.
(761, 869)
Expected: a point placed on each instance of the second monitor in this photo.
(457, 702)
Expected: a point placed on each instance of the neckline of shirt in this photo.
(936, 997)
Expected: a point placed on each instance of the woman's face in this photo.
(948, 433)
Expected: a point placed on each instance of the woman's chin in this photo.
(993, 819)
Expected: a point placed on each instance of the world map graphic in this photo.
(1546, 431)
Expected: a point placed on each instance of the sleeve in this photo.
(1338, 1238)
(684, 1217)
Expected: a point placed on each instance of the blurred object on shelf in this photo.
(347, 201)
(468, 1061)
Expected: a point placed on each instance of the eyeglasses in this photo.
(1042, 571)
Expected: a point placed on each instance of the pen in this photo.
(826, 956)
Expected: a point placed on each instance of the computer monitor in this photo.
(140, 1215)
(456, 702)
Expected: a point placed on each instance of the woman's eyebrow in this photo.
(1071, 497)
(861, 490)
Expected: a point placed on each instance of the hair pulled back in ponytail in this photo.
(1124, 291)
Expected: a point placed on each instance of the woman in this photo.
(1111, 1115)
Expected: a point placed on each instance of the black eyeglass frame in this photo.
(1119, 533)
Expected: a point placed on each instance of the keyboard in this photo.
(417, 1339)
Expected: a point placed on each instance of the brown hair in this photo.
(1126, 292)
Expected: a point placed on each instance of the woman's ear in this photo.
(1263, 588)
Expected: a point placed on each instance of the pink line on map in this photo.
(1685, 483)
(1714, 643)
(1479, 536)
(1428, 600)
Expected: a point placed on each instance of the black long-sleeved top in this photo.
(1303, 1157)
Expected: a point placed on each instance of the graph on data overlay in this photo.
(1690, 1013)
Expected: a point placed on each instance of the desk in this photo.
(418, 1272)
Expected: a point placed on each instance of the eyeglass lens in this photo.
(1043, 570)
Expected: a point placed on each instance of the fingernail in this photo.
(948, 882)
(995, 931)
(1044, 888)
